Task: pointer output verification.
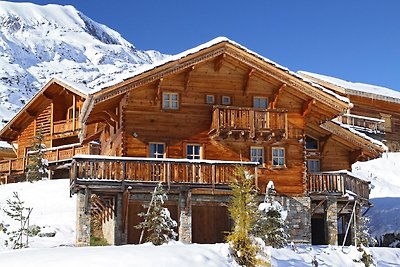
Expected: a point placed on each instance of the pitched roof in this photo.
(182, 60)
(352, 88)
(23, 115)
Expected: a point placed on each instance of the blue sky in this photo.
(357, 40)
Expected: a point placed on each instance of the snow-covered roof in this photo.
(362, 135)
(213, 42)
(5, 145)
(360, 89)
(73, 85)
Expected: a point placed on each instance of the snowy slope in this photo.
(41, 42)
(385, 194)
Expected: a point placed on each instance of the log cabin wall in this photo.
(375, 108)
(335, 157)
(145, 121)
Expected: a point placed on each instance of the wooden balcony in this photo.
(65, 126)
(362, 123)
(337, 183)
(53, 155)
(250, 123)
(195, 173)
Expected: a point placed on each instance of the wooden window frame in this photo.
(260, 97)
(210, 102)
(170, 101)
(156, 153)
(273, 157)
(257, 148)
(313, 171)
(312, 149)
(200, 151)
(226, 97)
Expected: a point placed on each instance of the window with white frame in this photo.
(210, 99)
(170, 100)
(157, 150)
(226, 100)
(313, 165)
(193, 151)
(260, 102)
(278, 157)
(257, 154)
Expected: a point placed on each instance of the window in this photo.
(193, 151)
(157, 150)
(313, 165)
(226, 100)
(278, 157)
(70, 113)
(170, 101)
(260, 102)
(210, 99)
(311, 143)
(257, 154)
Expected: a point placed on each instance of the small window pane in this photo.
(170, 101)
(278, 156)
(193, 151)
(210, 99)
(311, 143)
(226, 100)
(260, 102)
(157, 150)
(257, 154)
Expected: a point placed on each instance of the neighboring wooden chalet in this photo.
(376, 110)
(53, 112)
(189, 120)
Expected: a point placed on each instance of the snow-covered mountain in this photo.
(41, 42)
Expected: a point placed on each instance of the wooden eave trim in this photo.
(352, 138)
(326, 84)
(284, 77)
(159, 72)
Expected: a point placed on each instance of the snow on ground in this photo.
(52, 207)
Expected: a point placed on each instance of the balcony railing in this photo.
(170, 171)
(363, 123)
(338, 183)
(248, 122)
(54, 154)
(66, 126)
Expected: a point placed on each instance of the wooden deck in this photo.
(363, 123)
(66, 126)
(53, 155)
(184, 172)
(337, 183)
(248, 122)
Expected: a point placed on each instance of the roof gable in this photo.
(213, 49)
(42, 98)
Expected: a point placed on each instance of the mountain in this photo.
(41, 42)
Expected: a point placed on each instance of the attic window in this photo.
(170, 101)
(311, 143)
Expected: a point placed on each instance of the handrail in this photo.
(337, 183)
(103, 168)
(363, 122)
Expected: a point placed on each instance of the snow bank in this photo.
(52, 208)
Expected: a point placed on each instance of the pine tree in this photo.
(243, 210)
(270, 224)
(157, 221)
(18, 212)
(37, 167)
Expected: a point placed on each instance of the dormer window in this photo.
(311, 143)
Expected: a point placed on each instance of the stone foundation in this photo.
(83, 218)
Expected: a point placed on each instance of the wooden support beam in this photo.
(319, 205)
(30, 113)
(345, 206)
(323, 141)
(112, 115)
(14, 129)
(246, 82)
(187, 78)
(308, 106)
(158, 90)
(273, 103)
(218, 62)
(48, 96)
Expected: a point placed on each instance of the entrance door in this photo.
(318, 232)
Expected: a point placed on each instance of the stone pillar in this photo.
(185, 217)
(83, 218)
(331, 221)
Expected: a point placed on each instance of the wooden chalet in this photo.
(376, 110)
(189, 120)
(52, 112)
